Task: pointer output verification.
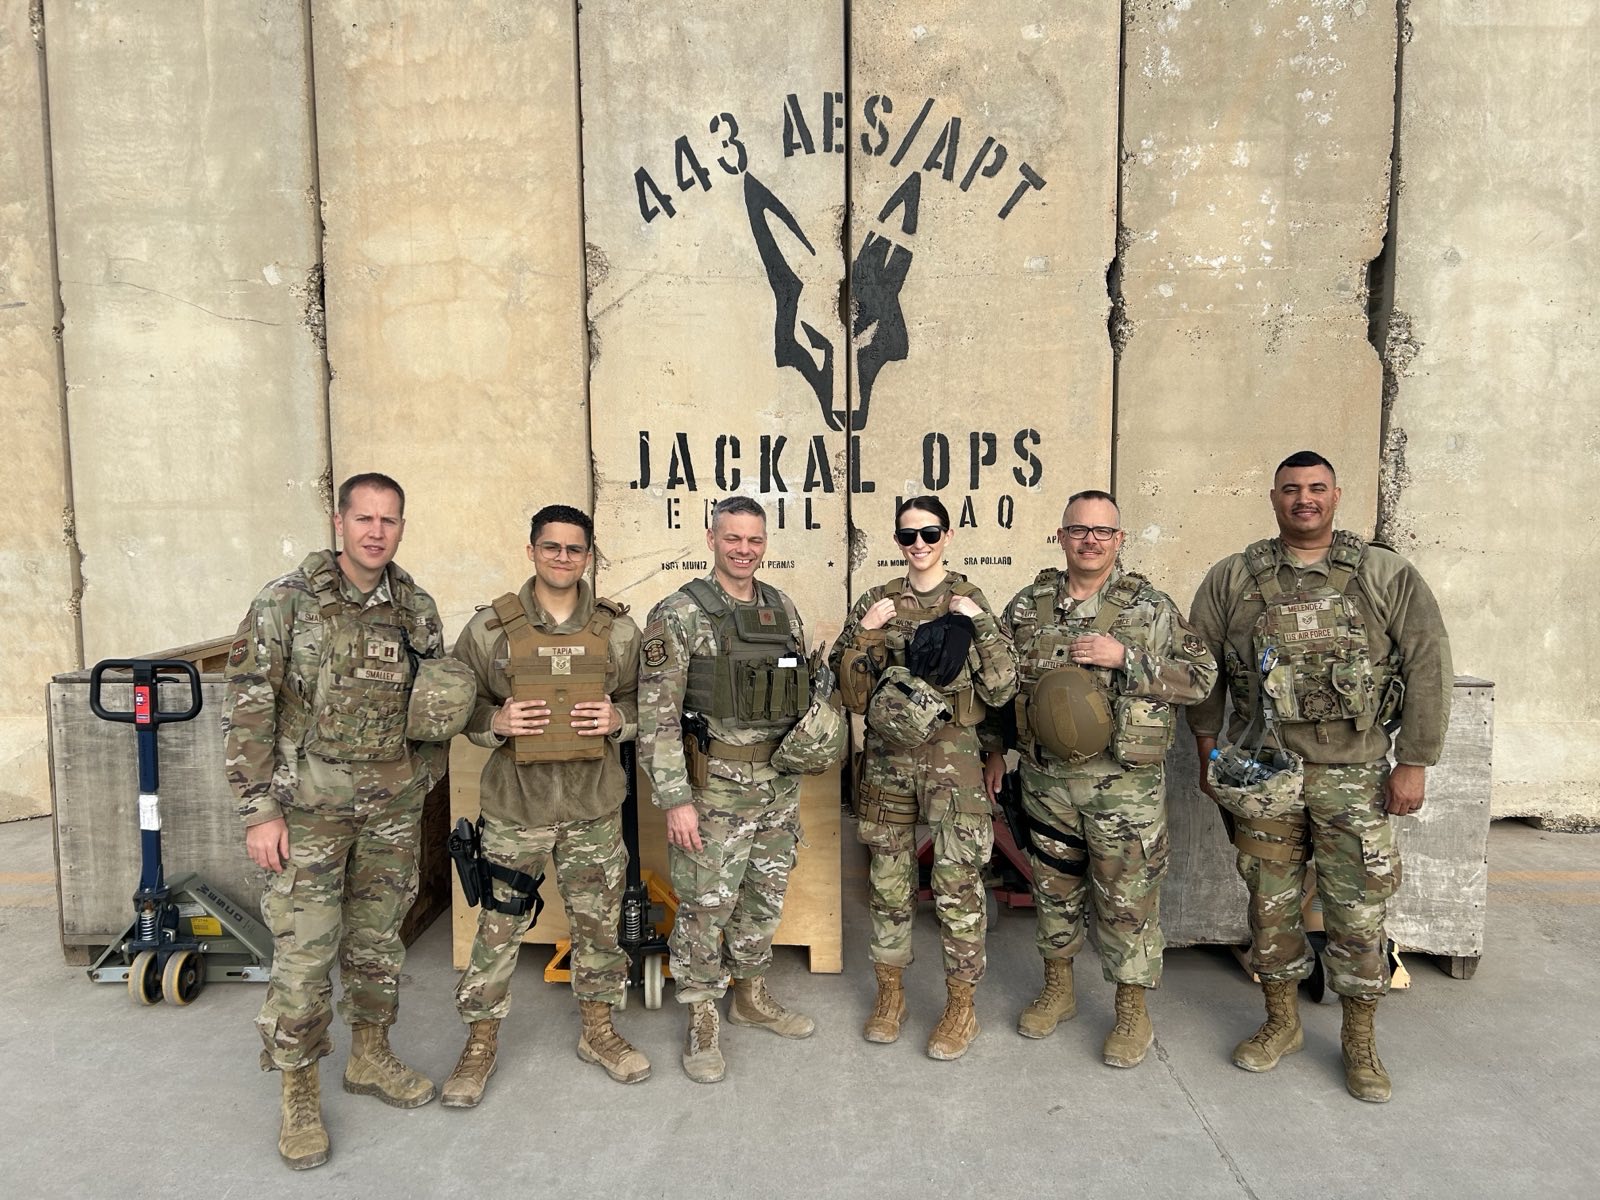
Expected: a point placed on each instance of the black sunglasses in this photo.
(928, 533)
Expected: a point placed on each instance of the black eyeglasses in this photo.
(928, 533)
(1102, 533)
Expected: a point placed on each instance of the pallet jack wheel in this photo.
(144, 981)
(183, 977)
(654, 979)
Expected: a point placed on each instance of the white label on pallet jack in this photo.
(149, 811)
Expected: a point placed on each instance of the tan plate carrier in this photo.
(561, 669)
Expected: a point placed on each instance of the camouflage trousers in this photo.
(946, 780)
(730, 892)
(1358, 869)
(350, 880)
(1119, 817)
(591, 863)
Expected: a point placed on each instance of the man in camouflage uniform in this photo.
(331, 794)
(563, 804)
(1097, 821)
(939, 783)
(732, 831)
(1364, 646)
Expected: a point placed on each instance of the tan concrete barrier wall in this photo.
(186, 225)
(36, 564)
(1255, 190)
(1495, 427)
(447, 142)
(190, 145)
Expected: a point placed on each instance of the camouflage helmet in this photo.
(818, 738)
(906, 711)
(1260, 786)
(1070, 714)
(442, 697)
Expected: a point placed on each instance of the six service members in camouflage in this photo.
(331, 778)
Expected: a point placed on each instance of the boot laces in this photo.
(607, 1042)
(703, 1029)
(477, 1047)
(884, 1006)
(1054, 991)
(303, 1105)
(1127, 1012)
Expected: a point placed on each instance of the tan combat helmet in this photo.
(906, 712)
(442, 698)
(818, 738)
(1070, 714)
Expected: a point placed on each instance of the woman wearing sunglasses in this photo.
(939, 782)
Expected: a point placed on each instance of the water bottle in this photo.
(1239, 768)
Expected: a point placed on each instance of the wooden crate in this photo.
(1440, 907)
(94, 785)
(811, 913)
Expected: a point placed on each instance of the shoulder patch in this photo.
(238, 650)
(654, 653)
(1193, 645)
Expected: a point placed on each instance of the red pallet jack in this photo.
(1008, 874)
(185, 934)
(643, 940)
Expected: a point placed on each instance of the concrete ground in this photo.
(1495, 1091)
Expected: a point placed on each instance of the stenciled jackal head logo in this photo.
(877, 323)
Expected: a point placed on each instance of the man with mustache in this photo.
(724, 678)
(1105, 659)
(1346, 642)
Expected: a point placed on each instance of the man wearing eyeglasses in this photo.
(1354, 647)
(557, 672)
(1105, 660)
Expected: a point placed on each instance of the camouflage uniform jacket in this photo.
(1167, 661)
(1401, 615)
(272, 675)
(992, 663)
(535, 795)
(677, 629)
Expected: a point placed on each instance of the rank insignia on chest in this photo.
(382, 650)
(560, 657)
(766, 616)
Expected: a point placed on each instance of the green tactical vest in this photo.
(1143, 728)
(1324, 670)
(757, 678)
(357, 708)
(901, 628)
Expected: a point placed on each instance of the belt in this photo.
(759, 753)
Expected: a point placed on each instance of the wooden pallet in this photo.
(811, 910)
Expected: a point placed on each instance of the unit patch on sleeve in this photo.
(237, 652)
(655, 652)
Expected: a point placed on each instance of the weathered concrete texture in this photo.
(187, 234)
(1255, 191)
(448, 144)
(35, 545)
(718, 351)
(983, 219)
(717, 348)
(1496, 420)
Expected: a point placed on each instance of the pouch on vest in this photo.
(363, 692)
(757, 676)
(560, 669)
(1143, 731)
(859, 668)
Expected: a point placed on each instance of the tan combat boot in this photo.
(601, 1043)
(465, 1086)
(957, 1026)
(373, 1070)
(754, 1005)
(1054, 1004)
(1364, 1076)
(702, 1057)
(889, 1010)
(1130, 1038)
(302, 1140)
(1280, 1034)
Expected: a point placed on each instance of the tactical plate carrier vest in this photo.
(1324, 669)
(879, 649)
(357, 708)
(1143, 728)
(561, 669)
(757, 678)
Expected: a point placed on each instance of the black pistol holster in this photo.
(477, 875)
(1024, 824)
